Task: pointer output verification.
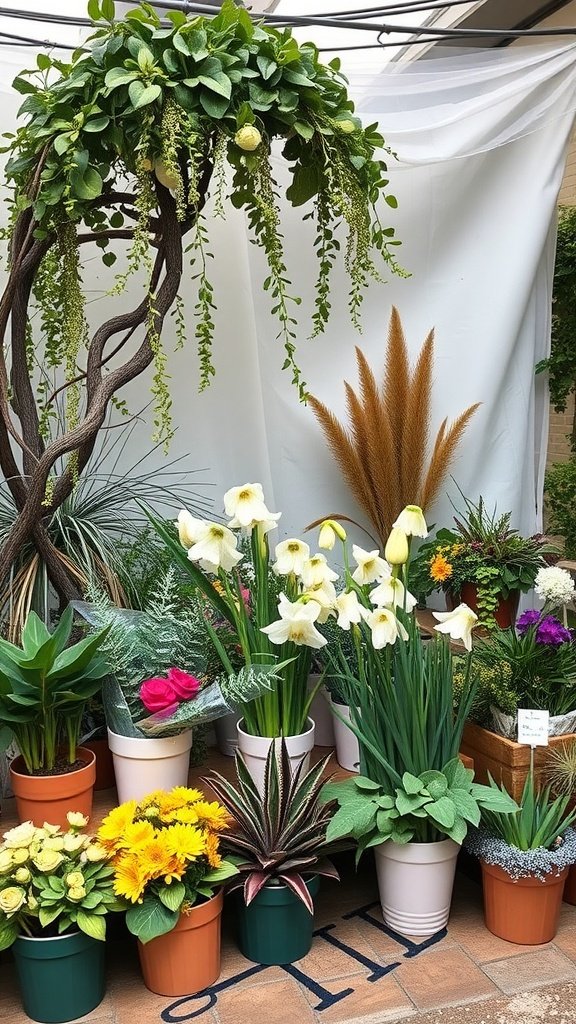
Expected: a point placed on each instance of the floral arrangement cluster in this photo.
(165, 856)
(52, 881)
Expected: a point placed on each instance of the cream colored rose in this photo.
(22, 876)
(248, 138)
(50, 830)
(21, 836)
(95, 852)
(6, 862)
(21, 856)
(74, 879)
(76, 820)
(32, 902)
(54, 843)
(347, 126)
(76, 893)
(48, 860)
(11, 899)
(73, 843)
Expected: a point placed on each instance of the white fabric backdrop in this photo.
(481, 144)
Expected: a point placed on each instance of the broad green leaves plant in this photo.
(44, 688)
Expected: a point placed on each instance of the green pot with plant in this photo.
(277, 845)
(272, 605)
(414, 798)
(525, 858)
(56, 888)
(44, 688)
(482, 562)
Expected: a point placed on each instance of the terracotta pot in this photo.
(507, 761)
(104, 764)
(41, 798)
(504, 613)
(187, 959)
(525, 911)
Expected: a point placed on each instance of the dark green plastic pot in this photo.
(276, 928)
(60, 978)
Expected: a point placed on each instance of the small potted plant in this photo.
(55, 892)
(169, 873)
(560, 773)
(44, 687)
(277, 843)
(525, 859)
(483, 562)
(274, 619)
(413, 799)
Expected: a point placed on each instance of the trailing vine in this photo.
(128, 142)
(561, 363)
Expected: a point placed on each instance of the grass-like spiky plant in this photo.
(277, 836)
(560, 769)
(384, 453)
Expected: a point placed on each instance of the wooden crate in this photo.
(507, 761)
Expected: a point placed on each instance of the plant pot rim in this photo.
(50, 938)
(551, 877)
(135, 748)
(292, 736)
(89, 760)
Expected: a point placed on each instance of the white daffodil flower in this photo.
(397, 549)
(296, 624)
(329, 531)
(189, 528)
(263, 525)
(325, 594)
(370, 565)
(384, 626)
(412, 521)
(246, 505)
(349, 609)
(316, 571)
(457, 624)
(290, 557)
(392, 593)
(215, 549)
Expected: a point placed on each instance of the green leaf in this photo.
(141, 95)
(46, 915)
(149, 919)
(97, 124)
(436, 783)
(119, 76)
(442, 811)
(93, 925)
(180, 43)
(305, 185)
(218, 83)
(221, 874)
(43, 61)
(411, 783)
(172, 895)
(109, 259)
(108, 10)
(34, 634)
(363, 783)
(94, 11)
(465, 805)
(407, 803)
(87, 185)
(214, 105)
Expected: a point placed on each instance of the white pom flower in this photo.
(555, 585)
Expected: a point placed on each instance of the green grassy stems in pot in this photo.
(44, 688)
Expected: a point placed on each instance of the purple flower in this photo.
(551, 631)
(529, 618)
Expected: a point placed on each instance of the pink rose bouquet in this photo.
(165, 694)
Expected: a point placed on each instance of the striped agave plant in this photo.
(278, 836)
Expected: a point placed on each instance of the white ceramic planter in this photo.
(347, 746)
(415, 883)
(143, 765)
(255, 751)
(321, 714)
(227, 733)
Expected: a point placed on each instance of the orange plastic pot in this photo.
(525, 911)
(504, 613)
(41, 798)
(187, 959)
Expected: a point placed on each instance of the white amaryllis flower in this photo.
(349, 609)
(189, 528)
(555, 585)
(384, 626)
(215, 549)
(412, 521)
(296, 624)
(290, 557)
(316, 571)
(392, 593)
(246, 505)
(457, 624)
(325, 594)
(397, 549)
(370, 565)
(329, 531)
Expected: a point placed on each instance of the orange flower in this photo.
(440, 569)
(212, 844)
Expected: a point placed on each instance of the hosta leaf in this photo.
(466, 805)
(149, 919)
(442, 811)
(436, 783)
(92, 925)
(172, 895)
(411, 783)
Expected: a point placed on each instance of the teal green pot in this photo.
(60, 978)
(276, 928)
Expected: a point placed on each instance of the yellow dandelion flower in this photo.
(440, 569)
(188, 796)
(185, 841)
(130, 878)
(212, 845)
(113, 828)
(138, 834)
(186, 816)
(156, 858)
(212, 815)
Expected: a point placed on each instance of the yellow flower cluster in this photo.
(161, 838)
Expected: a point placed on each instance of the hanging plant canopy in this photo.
(128, 142)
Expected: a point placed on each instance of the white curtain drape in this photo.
(480, 143)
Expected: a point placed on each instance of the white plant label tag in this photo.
(533, 727)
